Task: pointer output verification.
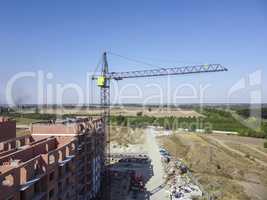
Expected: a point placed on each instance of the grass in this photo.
(25, 121)
(217, 169)
(214, 120)
(174, 145)
(21, 132)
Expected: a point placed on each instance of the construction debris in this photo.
(181, 183)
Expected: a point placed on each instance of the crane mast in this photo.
(104, 79)
(104, 84)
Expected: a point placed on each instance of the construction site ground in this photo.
(229, 167)
(145, 143)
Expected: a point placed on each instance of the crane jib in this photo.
(103, 81)
(166, 71)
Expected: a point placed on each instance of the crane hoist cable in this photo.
(103, 81)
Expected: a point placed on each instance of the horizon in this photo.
(66, 44)
(133, 104)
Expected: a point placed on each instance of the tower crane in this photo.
(104, 79)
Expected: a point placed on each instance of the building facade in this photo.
(7, 128)
(59, 160)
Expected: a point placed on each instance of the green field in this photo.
(211, 119)
(214, 119)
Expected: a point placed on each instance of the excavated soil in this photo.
(223, 165)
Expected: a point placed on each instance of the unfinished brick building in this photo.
(59, 160)
(7, 128)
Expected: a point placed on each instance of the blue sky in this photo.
(67, 38)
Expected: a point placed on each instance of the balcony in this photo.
(68, 159)
(30, 183)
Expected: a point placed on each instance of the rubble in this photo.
(183, 189)
(180, 180)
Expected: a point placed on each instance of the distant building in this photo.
(7, 128)
(59, 160)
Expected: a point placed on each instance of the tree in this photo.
(36, 111)
(121, 120)
(207, 130)
(192, 127)
(139, 114)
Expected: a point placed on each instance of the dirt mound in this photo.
(224, 173)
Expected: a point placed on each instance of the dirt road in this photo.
(221, 164)
(155, 185)
(222, 144)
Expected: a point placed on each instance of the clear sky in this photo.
(66, 38)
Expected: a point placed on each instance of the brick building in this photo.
(59, 160)
(7, 128)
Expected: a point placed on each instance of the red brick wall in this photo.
(7, 130)
(54, 129)
(30, 152)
